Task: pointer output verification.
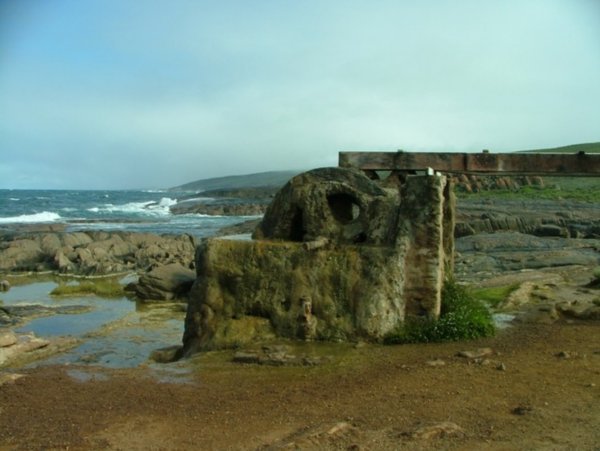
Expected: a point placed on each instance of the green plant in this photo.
(463, 317)
(105, 288)
(494, 296)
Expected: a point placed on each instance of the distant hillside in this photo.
(261, 179)
(574, 148)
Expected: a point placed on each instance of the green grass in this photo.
(463, 317)
(584, 189)
(105, 288)
(494, 296)
(573, 148)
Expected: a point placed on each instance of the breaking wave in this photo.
(160, 208)
(45, 216)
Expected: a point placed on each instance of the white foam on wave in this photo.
(45, 216)
(14, 199)
(197, 199)
(152, 208)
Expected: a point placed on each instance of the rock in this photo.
(582, 311)
(371, 260)
(336, 204)
(436, 362)
(476, 354)
(62, 262)
(340, 435)
(439, 430)
(221, 208)
(246, 357)
(540, 217)
(551, 230)
(89, 253)
(165, 355)
(566, 355)
(9, 378)
(522, 410)
(277, 355)
(22, 255)
(4, 285)
(538, 314)
(25, 343)
(7, 338)
(165, 282)
(5, 318)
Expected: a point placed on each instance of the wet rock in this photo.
(20, 312)
(165, 283)
(165, 355)
(5, 318)
(439, 430)
(4, 285)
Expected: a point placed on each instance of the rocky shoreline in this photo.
(91, 253)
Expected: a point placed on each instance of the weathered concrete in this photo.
(337, 257)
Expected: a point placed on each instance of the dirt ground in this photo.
(539, 389)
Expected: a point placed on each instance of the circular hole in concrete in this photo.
(344, 207)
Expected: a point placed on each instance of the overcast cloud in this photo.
(146, 94)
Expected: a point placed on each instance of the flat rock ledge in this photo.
(92, 253)
(13, 345)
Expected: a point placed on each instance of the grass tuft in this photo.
(494, 296)
(463, 317)
(105, 288)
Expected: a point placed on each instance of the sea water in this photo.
(114, 332)
(126, 210)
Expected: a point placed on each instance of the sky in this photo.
(126, 94)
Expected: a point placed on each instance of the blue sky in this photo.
(148, 93)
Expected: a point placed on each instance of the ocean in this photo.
(127, 210)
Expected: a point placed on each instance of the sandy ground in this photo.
(539, 389)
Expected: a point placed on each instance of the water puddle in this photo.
(113, 332)
(503, 320)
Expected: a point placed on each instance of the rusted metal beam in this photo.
(558, 164)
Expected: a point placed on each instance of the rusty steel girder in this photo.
(557, 164)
